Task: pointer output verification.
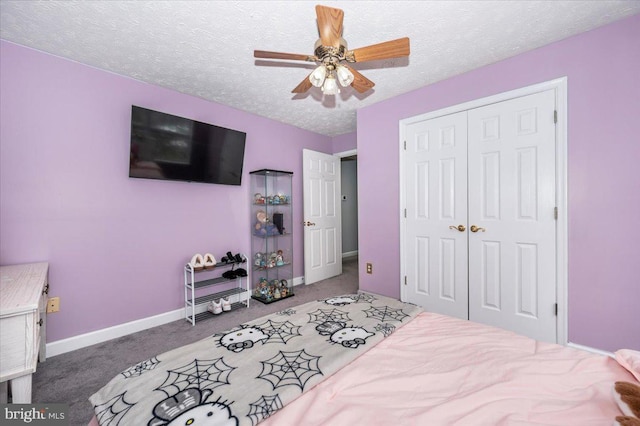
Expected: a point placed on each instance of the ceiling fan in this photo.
(331, 53)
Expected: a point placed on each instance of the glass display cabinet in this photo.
(271, 235)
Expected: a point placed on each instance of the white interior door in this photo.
(322, 216)
(435, 167)
(512, 279)
(492, 170)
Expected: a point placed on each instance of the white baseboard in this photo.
(590, 349)
(83, 340)
(92, 338)
(349, 253)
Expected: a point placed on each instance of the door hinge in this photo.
(405, 280)
(555, 213)
(556, 309)
(405, 213)
(405, 145)
(555, 116)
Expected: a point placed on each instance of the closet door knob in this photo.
(307, 223)
(476, 229)
(460, 228)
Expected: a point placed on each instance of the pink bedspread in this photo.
(438, 370)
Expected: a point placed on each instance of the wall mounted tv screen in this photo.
(168, 147)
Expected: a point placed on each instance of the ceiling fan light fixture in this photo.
(317, 77)
(331, 49)
(345, 76)
(330, 87)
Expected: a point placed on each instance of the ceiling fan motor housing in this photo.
(331, 54)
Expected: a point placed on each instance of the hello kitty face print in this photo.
(189, 408)
(351, 337)
(245, 338)
(340, 301)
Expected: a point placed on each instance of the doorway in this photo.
(349, 201)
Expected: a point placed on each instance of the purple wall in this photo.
(116, 245)
(603, 70)
(346, 142)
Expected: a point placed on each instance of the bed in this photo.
(364, 359)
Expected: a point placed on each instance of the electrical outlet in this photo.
(53, 305)
(369, 268)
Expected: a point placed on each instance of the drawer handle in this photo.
(46, 289)
(40, 322)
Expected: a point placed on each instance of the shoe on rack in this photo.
(241, 272)
(226, 304)
(239, 258)
(197, 262)
(209, 261)
(215, 308)
(230, 275)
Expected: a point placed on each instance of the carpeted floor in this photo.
(72, 377)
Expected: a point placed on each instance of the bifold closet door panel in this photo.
(435, 167)
(511, 166)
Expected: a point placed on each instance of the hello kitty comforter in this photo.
(249, 373)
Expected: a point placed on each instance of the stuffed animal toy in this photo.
(263, 227)
(627, 395)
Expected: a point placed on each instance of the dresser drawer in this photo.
(20, 339)
(23, 302)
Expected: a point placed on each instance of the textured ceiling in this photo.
(205, 48)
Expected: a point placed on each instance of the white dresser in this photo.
(23, 304)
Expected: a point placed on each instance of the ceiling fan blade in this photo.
(303, 86)
(279, 55)
(389, 49)
(360, 82)
(329, 25)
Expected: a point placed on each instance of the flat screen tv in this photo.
(168, 147)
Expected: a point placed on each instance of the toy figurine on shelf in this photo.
(274, 283)
(279, 258)
(258, 198)
(261, 290)
(271, 263)
(269, 294)
(284, 288)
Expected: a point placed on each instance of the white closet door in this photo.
(512, 280)
(435, 167)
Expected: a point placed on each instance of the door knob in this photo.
(307, 223)
(476, 229)
(460, 228)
